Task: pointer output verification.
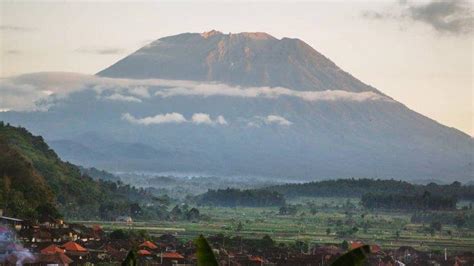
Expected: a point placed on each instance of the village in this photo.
(56, 242)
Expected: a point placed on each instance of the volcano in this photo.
(245, 104)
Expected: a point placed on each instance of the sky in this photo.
(419, 53)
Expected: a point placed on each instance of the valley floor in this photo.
(332, 223)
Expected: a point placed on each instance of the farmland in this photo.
(317, 221)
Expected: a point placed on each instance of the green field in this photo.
(372, 227)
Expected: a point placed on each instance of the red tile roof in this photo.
(356, 244)
(172, 255)
(256, 259)
(73, 246)
(149, 245)
(51, 249)
(375, 248)
(56, 258)
(143, 252)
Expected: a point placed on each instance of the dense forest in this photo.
(425, 201)
(231, 197)
(358, 187)
(36, 184)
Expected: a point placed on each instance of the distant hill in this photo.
(36, 182)
(359, 187)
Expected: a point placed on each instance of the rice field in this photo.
(321, 227)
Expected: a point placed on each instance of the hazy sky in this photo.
(420, 53)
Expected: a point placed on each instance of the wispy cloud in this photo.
(212, 89)
(16, 28)
(101, 51)
(61, 84)
(258, 121)
(157, 119)
(449, 16)
(122, 98)
(177, 118)
(275, 119)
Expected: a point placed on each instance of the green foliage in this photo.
(118, 234)
(131, 259)
(288, 210)
(35, 183)
(204, 254)
(403, 201)
(355, 257)
(355, 188)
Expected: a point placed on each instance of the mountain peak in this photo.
(208, 34)
(255, 35)
(243, 59)
(249, 35)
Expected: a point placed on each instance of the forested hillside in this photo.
(36, 183)
(359, 187)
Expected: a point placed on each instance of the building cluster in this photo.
(58, 243)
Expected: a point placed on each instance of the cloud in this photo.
(200, 118)
(157, 119)
(101, 51)
(21, 97)
(449, 16)
(214, 89)
(196, 118)
(258, 121)
(61, 84)
(278, 120)
(15, 28)
(123, 98)
(140, 91)
(221, 120)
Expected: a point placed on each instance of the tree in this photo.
(345, 245)
(267, 241)
(135, 210)
(193, 214)
(436, 226)
(118, 234)
(240, 227)
(459, 220)
(47, 211)
(328, 231)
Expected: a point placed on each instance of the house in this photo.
(59, 259)
(172, 258)
(10, 221)
(149, 245)
(52, 249)
(143, 252)
(75, 251)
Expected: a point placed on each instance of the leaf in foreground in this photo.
(355, 257)
(204, 254)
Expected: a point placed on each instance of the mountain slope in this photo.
(33, 176)
(183, 105)
(246, 59)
